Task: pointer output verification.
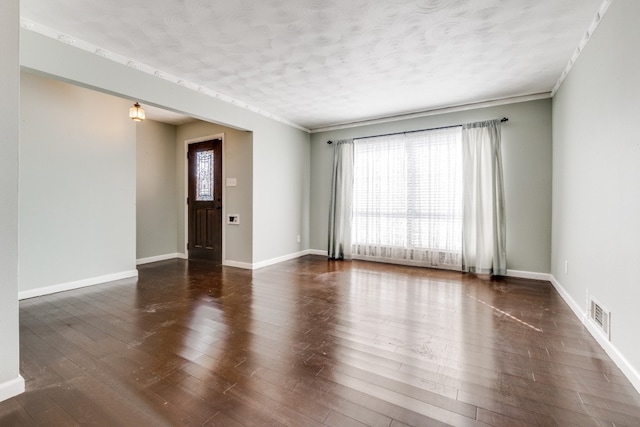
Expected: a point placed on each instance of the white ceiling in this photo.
(320, 63)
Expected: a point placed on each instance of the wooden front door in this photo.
(205, 201)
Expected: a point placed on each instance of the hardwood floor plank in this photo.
(12, 413)
(47, 412)
(81, 408)
(335, 419)
(620, 406)
(428, 397)
(499, 420)
(186, 402)
(397, 412)
(404, 401)
(354, 411)
(222, 420)
(509, 407)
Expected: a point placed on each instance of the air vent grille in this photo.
(601, 317)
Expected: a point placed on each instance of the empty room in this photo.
(319, 213)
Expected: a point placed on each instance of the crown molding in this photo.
(437, 111)
(583, 43)
(113, 56)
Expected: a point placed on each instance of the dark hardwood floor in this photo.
(312, 342)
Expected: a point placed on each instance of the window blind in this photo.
(407, 198)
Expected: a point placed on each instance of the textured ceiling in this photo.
(320, 63)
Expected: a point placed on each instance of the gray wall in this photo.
(156, 195)
(280, 187)
(77, 184)
(237, 162)
(9, 140)
(281, 196)
(596, 176)
(526, 149)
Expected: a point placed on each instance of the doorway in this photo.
(204, 201)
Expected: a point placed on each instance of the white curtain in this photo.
(340, 204)
(408, 198)
(484, 236)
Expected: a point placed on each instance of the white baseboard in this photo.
(318, 252)
(76, 284)
(612, 351)
(157, 258)
(11, 388)
(238, 264)
(573, 305)
(280, 259)
(529, 275)
(510, 273)
(272, 261)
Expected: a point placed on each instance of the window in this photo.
(407, 198)
(204, 178)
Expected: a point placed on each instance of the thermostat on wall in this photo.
(233, 219)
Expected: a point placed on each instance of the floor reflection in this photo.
(200, 335)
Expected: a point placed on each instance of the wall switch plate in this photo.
(233, 219)
(231, 182)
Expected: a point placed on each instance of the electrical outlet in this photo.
(566, 267)
(298, 238)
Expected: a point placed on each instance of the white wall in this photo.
(526, 150)
(10, 381)
(77, 185)
(596, 179)
(156, 195)
(237, 162)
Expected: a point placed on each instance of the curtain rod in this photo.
(502, 120)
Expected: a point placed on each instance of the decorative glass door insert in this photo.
(204, 183)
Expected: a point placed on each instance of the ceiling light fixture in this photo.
(136, 113)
